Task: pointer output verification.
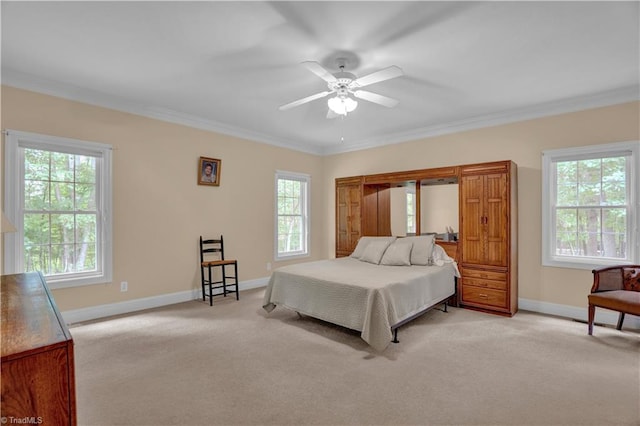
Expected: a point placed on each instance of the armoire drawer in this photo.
(484, 283)
(485, 275)
(484, 296)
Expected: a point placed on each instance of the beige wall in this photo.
(523, 143)
(159, 210)
(439, 207)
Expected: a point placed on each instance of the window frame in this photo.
(306, 222)
(411, 192)
(549, 188)
(15, 142)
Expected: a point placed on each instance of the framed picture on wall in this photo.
(209, 170)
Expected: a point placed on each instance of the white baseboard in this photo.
(101, 311)
(603, 316)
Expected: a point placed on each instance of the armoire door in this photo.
(484, 219)
(496, 219)
(376, 210)
(348, 215)
(472, 218)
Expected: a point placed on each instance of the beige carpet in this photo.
(191, 364)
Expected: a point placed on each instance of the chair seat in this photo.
(218, 262)
(617, 300)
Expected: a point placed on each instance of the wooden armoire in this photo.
(488, 237)
(487, 244)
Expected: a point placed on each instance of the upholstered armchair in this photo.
(616, 288)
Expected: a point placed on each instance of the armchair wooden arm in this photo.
(616, 288)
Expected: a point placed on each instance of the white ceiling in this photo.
(228, 66)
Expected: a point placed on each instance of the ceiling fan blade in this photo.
(320, 71)
(304, 100)
(384, 74)
(375, 98)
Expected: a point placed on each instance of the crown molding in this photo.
(72, 92)
(602, 99)
(206, 124)
(93, 97)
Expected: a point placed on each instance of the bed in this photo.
(370, 293)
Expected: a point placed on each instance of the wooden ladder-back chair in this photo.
(215, 248)
(616, 288)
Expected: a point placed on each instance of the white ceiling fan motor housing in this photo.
(343, 80)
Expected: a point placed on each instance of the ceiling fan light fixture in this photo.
(342, 105)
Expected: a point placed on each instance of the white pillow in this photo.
(398, 253)
(440, 254)
(422, 249)
(374, 251)
(363, 242)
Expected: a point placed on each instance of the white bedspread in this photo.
(359, 295)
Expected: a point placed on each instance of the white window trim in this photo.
(410, 190)
(13, 165)
(280, 174)
(551, 156)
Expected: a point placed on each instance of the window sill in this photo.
(587, 264)
(59, 283)
(291, 257)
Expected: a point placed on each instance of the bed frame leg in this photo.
(444, 309)
(395, 330)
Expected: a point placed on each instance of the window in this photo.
(411, 211)
(58, 195)
(292, 217)
(589, 205)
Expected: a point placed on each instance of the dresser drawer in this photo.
(485, 275)
(498, 285)
(484, 296)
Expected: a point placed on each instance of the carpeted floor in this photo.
(234, 364)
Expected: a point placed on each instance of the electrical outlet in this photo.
(268, 266)
(124, 286)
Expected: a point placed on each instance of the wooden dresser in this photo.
(38, 382)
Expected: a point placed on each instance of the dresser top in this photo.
(30, 321)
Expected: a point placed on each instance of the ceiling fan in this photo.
(344, 85)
